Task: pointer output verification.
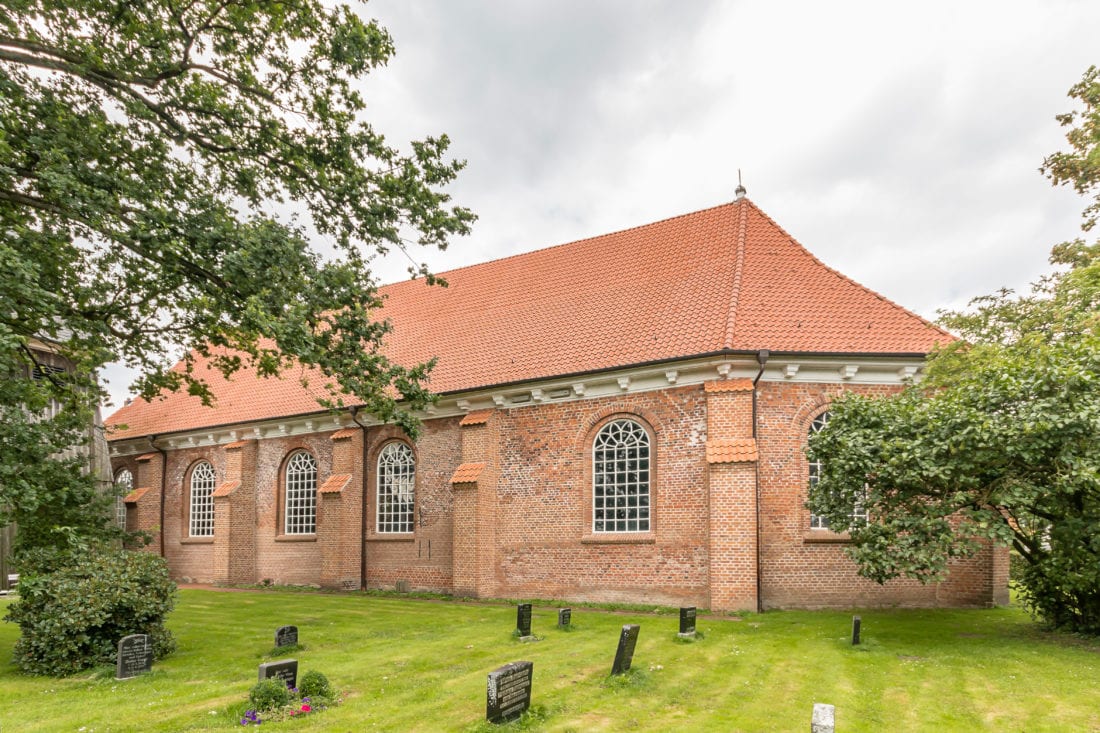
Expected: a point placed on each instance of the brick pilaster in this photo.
(731, 476)
(234, 555)
(340, 513)
(475, 486)
(143, 503)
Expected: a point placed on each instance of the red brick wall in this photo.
(544, 510)
(524, 529)
(800, 567)
(422, 558)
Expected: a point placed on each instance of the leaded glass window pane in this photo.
(203, 481)
(620, 478)
(124, 482)
(301, 494)
(396, 488)
(817, 522)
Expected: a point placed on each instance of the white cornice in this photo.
(845, 370)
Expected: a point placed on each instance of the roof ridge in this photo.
(844, 277)
(547, 248)
(738, 268)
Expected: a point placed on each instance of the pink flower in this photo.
(306, 708)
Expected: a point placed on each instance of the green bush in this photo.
(314, 684)
(269, 694)
(73, 612)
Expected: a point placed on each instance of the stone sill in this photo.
(620, 538)
(395, 537)
(197, 541)
(825, 537)
(296, 538)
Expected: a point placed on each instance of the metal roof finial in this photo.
(739, 192)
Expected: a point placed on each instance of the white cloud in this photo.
(898, 142)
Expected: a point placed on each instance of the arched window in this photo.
(124, 483)
(201, 504)
(300, 494)
(396, 488)
(620, 478)
(817, 522)
(859, 513)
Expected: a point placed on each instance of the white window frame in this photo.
(818, 522)
(124, 479)
(300, 494)
(200, 514)
(396, 489)
(622, 464)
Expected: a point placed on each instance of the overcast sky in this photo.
(900, 143)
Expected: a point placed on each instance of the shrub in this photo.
(314, 685)
(73, 611)
(269, 694)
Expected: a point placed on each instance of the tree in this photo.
(1000, 440)
(140, 146)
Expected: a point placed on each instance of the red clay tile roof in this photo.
(335, 483)
(135, 496)
(725, 279)
(728, 385)
(477, 417)
(738, 450)
(344, 433)
(467, 473)
(226, 489)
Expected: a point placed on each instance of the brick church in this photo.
(621, 419)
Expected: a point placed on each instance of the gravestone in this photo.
(523, 620)
(286, 636)
(628, 638)
(285, 670)
(565, 615)
(135, 656)
(687, 622)
(508, 691)
(824, 719)
(855, 630)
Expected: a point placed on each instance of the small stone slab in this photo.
(565, 616)
(824, 719)
(855, 630)
(286, 636)
(624, 654)
(135, 656)
(687, 622)
(508, 691)
(523, 620)
(285, 670)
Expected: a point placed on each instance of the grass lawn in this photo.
(416, 665)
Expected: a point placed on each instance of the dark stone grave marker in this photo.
(628, 638)
(687, 622)
(523, 620)
(565, 615)
(285, 670)
(135, 656)
(855, 630)
(286, 636)
(508, 691)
